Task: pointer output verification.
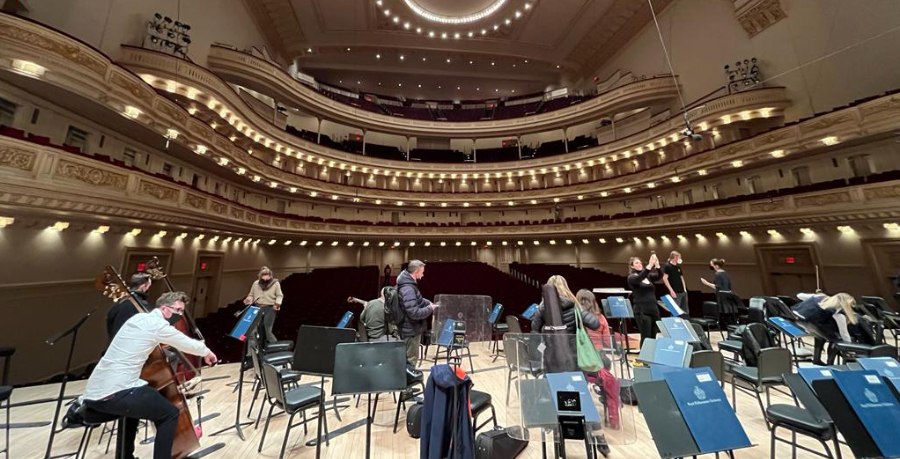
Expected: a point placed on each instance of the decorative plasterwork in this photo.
(16, 158)
(757, 15)
(91, 175)
(163, 193)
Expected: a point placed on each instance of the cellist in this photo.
(115, 386)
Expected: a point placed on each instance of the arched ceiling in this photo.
(521, 47)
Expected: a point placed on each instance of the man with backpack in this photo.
(413, 307)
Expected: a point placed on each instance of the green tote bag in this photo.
(588, 358)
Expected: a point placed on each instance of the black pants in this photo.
(141, 403)
(818, 346)
(646, 324)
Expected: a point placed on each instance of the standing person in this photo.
(372, 318)
(115, 387)
(123, 310)
(417, 308)
(643, 295)
(387, 275)
(721, 280)
(266, 293)
(674, 281)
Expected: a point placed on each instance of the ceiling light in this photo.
(465, 19)
(319, 243)
(620, 240)
(402, 57)
(458, 243)
(552, 241)
(381, 244)
(99, 230)
(701, 172)
(288, 242)
(830, 140)
(568, 242)
(507, 21)
(431, 35)
(773, 232)
(681, 237)
(845, 229)
(377, 56)
(132, 112)
(387, 12)
(406, 25)
(527, 6)
(511, 203)
(456, 35)
(171, 134)
(396, 19)
(721, 235)
(335, 243)
(444, 35)
(473, 243)
(470, 34)
(807, 231)
(777, 154)
(184, 235)
(272, 241)
(601, 240)
(737, 163)
(418, 30)
(59, 226)
(448, 60)
(161, 234)
(745, 234)
(537, 242)
(214, 239)
(892, 226)
(585, 241)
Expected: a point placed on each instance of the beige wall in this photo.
(107, 24)
(703, 35)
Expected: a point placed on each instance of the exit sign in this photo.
(789, 260)
(203, 265)
(141, 267)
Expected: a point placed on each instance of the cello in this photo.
(186, 325)
(157, 371)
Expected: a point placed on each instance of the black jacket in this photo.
(819, 321)
(122, 311)
(643, 295)
(417, 308)
(568, 313)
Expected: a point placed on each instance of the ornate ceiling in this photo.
(428, 48)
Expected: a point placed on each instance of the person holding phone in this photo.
(643, 294)
(417, 309)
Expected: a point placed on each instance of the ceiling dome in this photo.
(456, 12)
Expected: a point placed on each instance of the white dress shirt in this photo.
(120, 368)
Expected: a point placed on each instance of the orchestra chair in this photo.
(94, 419)
(712, 360)
(512, 323)
(6, 391)
(811, 419)
(405, 396)
(772, 363)
(257, 359)
(710, 318)
(481, 402)
(291, 401)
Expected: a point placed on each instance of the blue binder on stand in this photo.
(574, 381)
(531, 311)
(495, 313)
(618, 308)
(885, 366)
(239, 332)
(787, 326)
(706, 410)
(677, 328)
(671, 352)
(658, 372)
(445, 338)
(875, 406)
(345, 320)
(672, 306)
(815, 373)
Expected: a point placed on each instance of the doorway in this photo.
(136, 261)
(788, 269)
(205, 291)
(884, 258)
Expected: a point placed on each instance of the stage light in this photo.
(892, 226)
(845, 229)
(161, 234)
(773, 232)
(319, 243)
(552, 242)
(272, 242)
(59, 226)
(620, 240)
(807, 231)
(101, 229)
(184, 235)
(602, 240)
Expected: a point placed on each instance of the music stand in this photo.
(73, 330)
(792, 332)
(369, 368)
(314, 356)
(246, 325)
(619, 308)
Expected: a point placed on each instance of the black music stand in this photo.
(246, 326)
(369, 368)
(73, 330)
(314, 356)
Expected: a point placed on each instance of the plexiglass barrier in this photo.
(545, 385)
(465, 316)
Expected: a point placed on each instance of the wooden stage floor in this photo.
(28, 443)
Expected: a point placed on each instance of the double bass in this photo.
(186, 325)
(157, 371)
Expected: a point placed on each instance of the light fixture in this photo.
(721, 235)
(100, 229)
(636, 239)
(892, 226)
(777, 153)
(745, 234)
(682, 238)
(701, 172)
(335, 243)
(537, 242)
(319, 243)
(366, 244)
(199, 237)
(214, 239)
(830, 140)
(6, 221)
(303, 243)
(602, 240)
(28, 68)
(381, 244)
(161, 234)
(201, 150)
(184, 235)
(458, 243)
(807, 231)
(568, 242)
(132, 112)
(59, 226)
(473, 243)
(552, 241)
(737, 163)
(412, 243)
(288, 242)
(455, 20)
(272, 242)
(504, 243)
(845, 229)
(773, 232)
(171, 134)
(620, 240)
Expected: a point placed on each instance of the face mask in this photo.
(712, 268)
(174, 318)
(679, 261)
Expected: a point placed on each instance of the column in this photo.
(577, 256)
(519, 143)
(407, 148)
(364, 142)
(319, 131)
(566, 140)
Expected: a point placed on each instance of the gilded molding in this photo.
(91, 175)
(197, 202)
(237, 213)
(137, 90)
(279, 223)
(882, 108)
(672, 218)
(769, 206)
(69, 52)
(163, 193)
(698, 214)
(17, 159)
(729, 211)
(218, 207)
(251, 217)
(884, 192)
(822, 200)
(756, 16)
(264, 220)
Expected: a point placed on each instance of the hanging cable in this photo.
(669, 62)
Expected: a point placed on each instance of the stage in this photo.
(348, 436)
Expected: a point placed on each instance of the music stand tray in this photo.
(369, 368)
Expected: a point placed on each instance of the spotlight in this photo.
(101, 229)
(845, 229)
(59, 226)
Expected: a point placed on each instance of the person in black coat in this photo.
(829, 317)
(643, 294)
(417, 309)
(123, 310)
(567, 305)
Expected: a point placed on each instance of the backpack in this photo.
(394, 314)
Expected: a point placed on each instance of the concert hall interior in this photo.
(263, 208)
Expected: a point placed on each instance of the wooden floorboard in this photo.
(31, 443)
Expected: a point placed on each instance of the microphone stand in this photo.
(62, 388)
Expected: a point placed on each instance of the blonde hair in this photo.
(844, 301)
(562, 287)
(588, 301)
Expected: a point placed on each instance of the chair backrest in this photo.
(513, 323)
(711, 359)
(704, 342)
(511, 349)
(754, 339)
(757, 312)
(711, 310)
(361, 335)
(272, 382)
(806, 397)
